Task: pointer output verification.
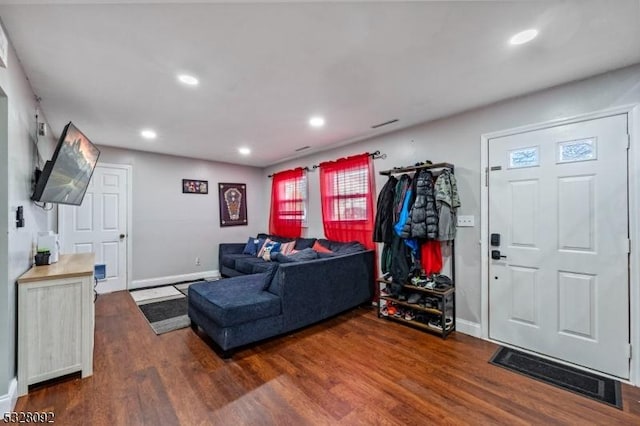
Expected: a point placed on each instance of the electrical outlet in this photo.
(197, 261)
(466, 221)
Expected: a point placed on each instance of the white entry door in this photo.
(100, 225)
(558, 200)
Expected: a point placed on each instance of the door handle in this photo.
(495, 255)
(122, 236)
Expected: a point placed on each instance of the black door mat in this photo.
(583, 383)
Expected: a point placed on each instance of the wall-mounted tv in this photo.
(65, 178)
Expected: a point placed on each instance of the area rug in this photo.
(583, 383)
(165, 307)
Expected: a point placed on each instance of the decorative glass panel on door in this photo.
(578, 150)
(523, 157)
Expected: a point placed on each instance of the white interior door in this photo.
(558, 199)
(100, 225)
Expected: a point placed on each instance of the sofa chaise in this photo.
(274, 298)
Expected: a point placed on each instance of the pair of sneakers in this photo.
(437, 323)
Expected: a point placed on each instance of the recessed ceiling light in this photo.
(148, 134)
(316, 121)
(244, 151)
(188, 79)
(524, 37)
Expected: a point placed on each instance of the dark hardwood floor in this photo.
(352, 369)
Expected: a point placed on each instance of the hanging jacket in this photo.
(403, 185)
(447, 202)
(383, 229)
(400, 228)
(423, 218)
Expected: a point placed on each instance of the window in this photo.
(293, 202)
(288, 203)
(347, 194)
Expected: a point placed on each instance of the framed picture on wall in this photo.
(190, 186)
(233, 204)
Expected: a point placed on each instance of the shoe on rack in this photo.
(413, 298)
(448, 323)
(443, 279)
(432, 302)
(419, 281)
(402, 297)
(409, 316)
(385, 291)
(384, 312)
(435, 323)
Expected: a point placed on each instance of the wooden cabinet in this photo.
(55, 320)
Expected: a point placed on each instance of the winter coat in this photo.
(383, 229)
(423, 219)
(447, 202)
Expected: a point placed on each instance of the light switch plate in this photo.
(466, 221)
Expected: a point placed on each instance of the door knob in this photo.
(122, 236)
(495, 254)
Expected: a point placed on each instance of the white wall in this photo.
(17, 136)
(456, 140)
(171, 229)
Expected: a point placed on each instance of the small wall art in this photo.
(190, 186)
(233, 204)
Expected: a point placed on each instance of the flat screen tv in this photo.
(65, 178)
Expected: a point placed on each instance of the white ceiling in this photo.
(266, 67)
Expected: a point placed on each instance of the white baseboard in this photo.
(468, 327)
(8, 401)
(152, 282)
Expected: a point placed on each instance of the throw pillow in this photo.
(303, 243)
(287, 248)
(320, 248)
(269, 246)
(252, 246)
(302, 255)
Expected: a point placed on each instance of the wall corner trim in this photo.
(8, 401)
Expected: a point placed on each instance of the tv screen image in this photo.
(66, 177)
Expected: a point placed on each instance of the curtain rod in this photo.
(303, 168)
(375, 155)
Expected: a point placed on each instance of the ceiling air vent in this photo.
(375, 126)
(303, 148)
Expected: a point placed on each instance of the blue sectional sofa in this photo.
(273, 298)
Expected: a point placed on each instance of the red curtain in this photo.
(347, 188)
(288, 194)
